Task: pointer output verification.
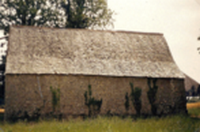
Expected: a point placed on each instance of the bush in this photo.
(135, 98)
(93, 104)
(55, 97)
(126, 104)
(152, 94)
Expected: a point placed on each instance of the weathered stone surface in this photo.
(71, 59)
(23, 94)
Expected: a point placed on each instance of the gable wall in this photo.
(27, 93)
(189, 82)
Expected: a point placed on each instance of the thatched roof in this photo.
(76, 51)
(189, 82)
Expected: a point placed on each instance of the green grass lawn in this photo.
(109, 124)
(177, 123)
(194, 112)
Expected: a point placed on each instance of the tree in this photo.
(2, 79)
(29, 12)
(87, 13)
(193, 90)
(55, 13)
(198, 91)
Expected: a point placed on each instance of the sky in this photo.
(178, 20)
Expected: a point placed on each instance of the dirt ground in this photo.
(2, 110)
(193, 105)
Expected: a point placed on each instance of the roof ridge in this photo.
(112, 31)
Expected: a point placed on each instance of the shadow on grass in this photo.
(1, 117)
(194, 112)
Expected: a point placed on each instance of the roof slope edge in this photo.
(88, 52)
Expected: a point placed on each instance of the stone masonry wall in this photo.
(29, 92)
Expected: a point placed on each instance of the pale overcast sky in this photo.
(178, 20)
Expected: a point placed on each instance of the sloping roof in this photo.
(34, 50)
(189, 82)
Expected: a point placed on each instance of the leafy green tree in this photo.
(55, 13)
(87, 13)
(29, 12)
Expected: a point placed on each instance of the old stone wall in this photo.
(27, 93)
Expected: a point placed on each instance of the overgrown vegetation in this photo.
(36, 114)
(194, 112)
(152, 94)
(194, 109)
(126, 104)
(136, 98)
(176, 123)
(25, 116)
(55, 100)
(55, 92)
(94, 105)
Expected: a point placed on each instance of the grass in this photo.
(109, 124)
(177, 123)
(194, 112)
(194, 109)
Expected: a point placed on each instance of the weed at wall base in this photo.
(152, 94)
(55, 92)
(135, 97)
(126, 104)
(94, 105)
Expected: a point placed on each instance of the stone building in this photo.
(190, 82)
(71, 59)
